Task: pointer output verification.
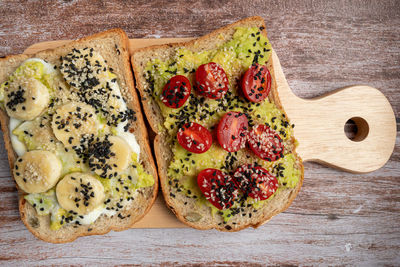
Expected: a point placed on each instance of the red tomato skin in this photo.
(256, 83)
(232, 131)
(218, 187)
(194, 138)
(265, 143)
(255, 181)
(176, 91)
(211, 81)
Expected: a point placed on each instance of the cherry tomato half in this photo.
(256, 83)
(211, 80)
(176, 91)
(265, 143)
(232, 131)
(255, 181)
(218, 187)
(194, 138)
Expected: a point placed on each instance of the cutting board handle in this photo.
(319, 125)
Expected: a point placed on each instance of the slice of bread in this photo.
(187, 209)
(113, 46)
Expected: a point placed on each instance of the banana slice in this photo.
(37, 171)
(87, 73)
(80, 192)
(109, 157)
(26, 99)
(73, 121)
(84, 68)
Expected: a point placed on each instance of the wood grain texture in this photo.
(337, 219)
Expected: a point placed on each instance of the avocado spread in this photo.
(247, 46)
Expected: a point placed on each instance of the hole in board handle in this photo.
(356, 129)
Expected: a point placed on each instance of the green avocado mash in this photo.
(128, 182)
(43, 202)
(248, 45)
(46, 203)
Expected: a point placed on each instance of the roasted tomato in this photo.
(194, 138)
(265, 143)
(211, 80)
(255, 181)
(232, 131)
(218, 187)
(176, 91)
(256, 83)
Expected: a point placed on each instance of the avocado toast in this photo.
(76, 140)
(225, 151)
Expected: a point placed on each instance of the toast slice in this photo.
(192, 209)
(112, 45)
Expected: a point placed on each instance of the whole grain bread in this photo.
(185, 208)
(113, 46)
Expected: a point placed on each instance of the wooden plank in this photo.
(350, 239)
(323, 45)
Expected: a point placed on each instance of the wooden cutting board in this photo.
(319, 127)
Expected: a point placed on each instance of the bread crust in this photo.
(161, 146)
(39, 225)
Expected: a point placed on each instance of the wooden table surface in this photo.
(337, 219)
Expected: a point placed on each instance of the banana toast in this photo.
(76, 140)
